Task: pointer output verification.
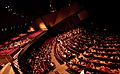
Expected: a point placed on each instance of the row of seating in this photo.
(81, 50)
(71, 44)
(12, 40)
(15, 44)
(39, 60)
(64, 48)
(92, 53)
(99, 61)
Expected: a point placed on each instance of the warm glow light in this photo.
(31, 29)
(42, 26)
(21, 35)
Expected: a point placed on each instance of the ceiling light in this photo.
(14, 13)
(6, 7)
(5, 29)
(2, 29)
(22, 16)
(50, 5)
(25, 24)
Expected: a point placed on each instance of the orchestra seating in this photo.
(90, 52)
(79, 49)
(38, 60)
(70, 44)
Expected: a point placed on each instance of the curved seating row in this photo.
(38, 61)
(90, 52)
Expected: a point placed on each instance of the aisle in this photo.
(8, 69)
(59, 68)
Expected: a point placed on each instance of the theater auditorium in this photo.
(59, 37)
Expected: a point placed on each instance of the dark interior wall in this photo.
(54, 18)
(105, 12)
(68, 24)
(7, 19)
